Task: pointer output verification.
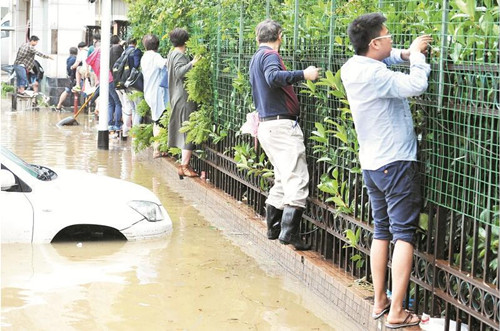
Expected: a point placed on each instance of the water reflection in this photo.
(193, 279)
(54, 279)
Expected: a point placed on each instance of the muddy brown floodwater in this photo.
(193, 279)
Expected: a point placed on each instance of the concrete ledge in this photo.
(239, 222)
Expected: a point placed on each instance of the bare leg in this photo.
(378, 259)
(156, 145)
(186, 156)
(402, 261)
(63, 97)
(78, 77)
(93, 79)
(96, 102)
(184, 169)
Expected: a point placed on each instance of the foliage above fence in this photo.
(464, 57)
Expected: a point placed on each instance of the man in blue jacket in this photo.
(388, 152)
(71, 73)
(280, 135)
(130, 116)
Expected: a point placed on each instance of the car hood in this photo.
(77, 183)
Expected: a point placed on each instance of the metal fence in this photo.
(457, 121)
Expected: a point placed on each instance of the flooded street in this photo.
(192, 279)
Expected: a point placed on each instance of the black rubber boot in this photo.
(290, 227)
(273, 219)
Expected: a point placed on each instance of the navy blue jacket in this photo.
(134, 59)
(272, 89)
(69, 62)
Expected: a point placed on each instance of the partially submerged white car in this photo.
(39, 205)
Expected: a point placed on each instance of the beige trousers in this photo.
(283, 142)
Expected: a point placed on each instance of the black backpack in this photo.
(121, 69)
(38, 70)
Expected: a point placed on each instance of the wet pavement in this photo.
(193, 279)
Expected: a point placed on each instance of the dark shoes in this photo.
(290, 227)
(273, 220)
(285, 225)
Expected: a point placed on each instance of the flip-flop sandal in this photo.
(382, 312)
(406, 323)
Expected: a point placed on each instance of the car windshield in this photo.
(37, 171)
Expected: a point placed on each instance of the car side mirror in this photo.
(7, 179)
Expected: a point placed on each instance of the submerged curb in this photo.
(239, 222)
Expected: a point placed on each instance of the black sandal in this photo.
(406, 323)
(382, 312)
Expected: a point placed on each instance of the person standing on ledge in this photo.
(280, 134)
(178, 65)
(25, 59)
(388, 152)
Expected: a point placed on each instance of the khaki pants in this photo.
(283, 142)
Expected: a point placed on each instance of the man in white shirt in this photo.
(388, 152)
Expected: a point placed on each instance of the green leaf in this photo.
(242, 166)
(486, 23)
(324, 159)
(468, 7)
(351, 237)
(319, 139)
(327, 189)
(310, 86)
(320, 129)
(342, 136)
(485, 216)
(356, 170)
(471, 8)
(329, 120)
(268, 174)
(330, 77)
(424, 221)
(457, 50)
(262, 157)
(335, 185)
(337, 201)
(337, 94)
(342, 188)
